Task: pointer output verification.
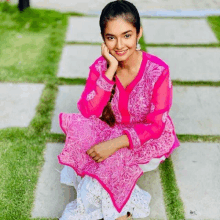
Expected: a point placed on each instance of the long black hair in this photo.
(112, 10)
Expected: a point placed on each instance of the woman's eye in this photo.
(109, 37)
(128, 35)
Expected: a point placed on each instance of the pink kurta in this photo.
(142, 113)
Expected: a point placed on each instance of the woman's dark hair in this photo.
(112, 10)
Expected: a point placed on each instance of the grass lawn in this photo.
(31, 43)
(30, 50)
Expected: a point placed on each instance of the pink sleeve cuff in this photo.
(105, 83)
(107, 79)
(133, 138)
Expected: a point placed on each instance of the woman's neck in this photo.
(131, 63)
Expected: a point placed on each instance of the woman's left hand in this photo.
(101, 151)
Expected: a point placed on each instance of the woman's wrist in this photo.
(110, 72)
(113, 66)
(121, 141)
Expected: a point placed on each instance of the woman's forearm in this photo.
(110, 72)
(120, 142)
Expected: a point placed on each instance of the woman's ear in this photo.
(140, 33)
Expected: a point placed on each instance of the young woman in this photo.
(123, 128)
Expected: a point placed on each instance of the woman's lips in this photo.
(121, 54)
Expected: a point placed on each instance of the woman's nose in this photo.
(119, 45)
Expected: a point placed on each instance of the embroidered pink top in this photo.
(142, 113)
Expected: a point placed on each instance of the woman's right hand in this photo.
(112, 61)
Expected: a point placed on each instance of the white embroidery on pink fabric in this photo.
(170, 82)
(140, 96)
(82, 133)
(91, 95)
(101, 66)
(114, 105)
(139, 101)
(164, 117)
(134, 137)
(79, 140)
(155, 147)
(155, 70)
(102, 83)
(152, 107)
(92, 116)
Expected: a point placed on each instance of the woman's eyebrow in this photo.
(122, 33)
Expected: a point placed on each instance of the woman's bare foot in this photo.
(124, 217)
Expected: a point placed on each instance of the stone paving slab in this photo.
(197, 170)
(176, 13)
(196, 65)
(191, 63)
(195, 110)
(177, 31)
(51, 197)
(18, 102)
(66, 102)
(72, 65)
(84, 29)
(150, 181)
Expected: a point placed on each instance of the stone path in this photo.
(88, 30)
(197, 173)
(18, 103)
(190, 63)
(51, 196)
(177, 31)
(71, 66)
(149, 7)
(195, 109)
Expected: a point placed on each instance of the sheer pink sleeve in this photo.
(155, 121)
(96, 94)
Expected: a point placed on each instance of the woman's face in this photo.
(117, 40)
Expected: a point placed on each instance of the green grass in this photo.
(214, 23)
(173, 203)
(31, 44)
(21, 160)
(30, 50)
(41, 123)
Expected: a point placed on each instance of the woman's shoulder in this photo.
(152, 59)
